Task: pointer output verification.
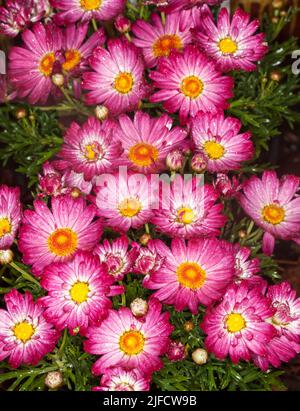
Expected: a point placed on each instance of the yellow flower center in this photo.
(273, 214)
(228, 46)
(143, 154)
(185, 215)
(165, 44)
(192, 87)
(23, 331)
(79, 292)
(5, 227)
(93, 152)
(132, 342)
(191, 275)
(214, 150)
(63, 242)
(72, 59)
(130, 207)
(89, 5)
(235, 323)
(124, 83)
(46, 64)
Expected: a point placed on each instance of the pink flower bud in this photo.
(139, 307)
(226, 187)
(199, 163)
(175, 160)
(147, 261)
(176, 351)
(122, 24)
(50, 183)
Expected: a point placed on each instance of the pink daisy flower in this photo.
(245, 267)
(194, 273)
(233, 45)
(189, 83)
(156, 39)
(121, 379)
(123, 340)
(52, 236)
(237, 325)
(124, 201)
(19, 14)
(117, 78)
(170, 6)
(10, 215)
(77, 50)
(116, 256)
(218, 138)
(90, 149)
(25, 335)
(85, 10)
(189, 210)
(78, 293)
(30, 67)
(271, 203)
(279, 349)
(147, 141)
(286, 318)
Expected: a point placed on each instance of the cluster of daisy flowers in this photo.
(180, 59)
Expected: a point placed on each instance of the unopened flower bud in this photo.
(54, 380)
(242, 234)
(58, 80)
(122, 24)
(276, 75)
(199, 163)
(101, 112)
(188, 326)
(200, 356)
(175, 160)
(277, 4)
(176, 351)
(6, 257)
(139, 307)
(145, 238)
(20, 113)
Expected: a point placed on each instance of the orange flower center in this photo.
(63, 242)
(72, 59)
(192, 87)
(185, 215)
(165, 44)
(124, 83)
(5, 227)
(132, 342)
(235, 323)
(214, 150)
(191, 275)
(273, 214)
(143, 154)
(79, 292)
(46, 64)
(23, 331)
(228, 46)
(130, 207)
(89, 5)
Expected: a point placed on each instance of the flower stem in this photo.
(24, 274)
(63, 343)
(95, 26)
(123, 296)
(147, 229)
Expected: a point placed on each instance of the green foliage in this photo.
(30, 141)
